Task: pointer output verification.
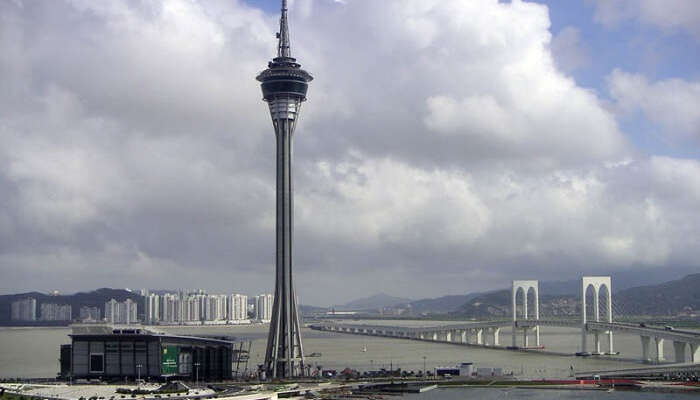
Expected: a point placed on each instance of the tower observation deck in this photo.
(284, 85)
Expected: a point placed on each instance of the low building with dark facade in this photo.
(117, 353)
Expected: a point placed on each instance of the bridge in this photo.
(487, 333)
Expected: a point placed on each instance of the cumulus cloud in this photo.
(441, 146)
(673, 104)
(668, 15)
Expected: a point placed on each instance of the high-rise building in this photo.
(170, 308)
(89, 313)
(238, 307)
(121, 312)
(264, 307)
(214, 307)
(56, 312)
(23, 310)
(152, 312)
(284, 85)
(111, 311)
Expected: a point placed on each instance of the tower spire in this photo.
(283, 47)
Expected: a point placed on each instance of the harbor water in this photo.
(33, 352)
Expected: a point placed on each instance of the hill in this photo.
(669, 298)
(376, 302)
(96, 298)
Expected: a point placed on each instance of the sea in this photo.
(34, 353)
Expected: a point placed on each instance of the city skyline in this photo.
(500, 139)
(163, 308)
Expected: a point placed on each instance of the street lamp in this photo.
(196, 379)
(138, 380)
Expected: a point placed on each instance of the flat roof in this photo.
(106, 332)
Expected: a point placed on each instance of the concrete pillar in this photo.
(435, 336)
(583, 318)
(479, 337)
(515, 316)
(526, 341)
(463, 336)
(448, 336)
(694, 353)
(659, 349)
(679, 350)
(596, 335)
(645, 348)
(610, 319)
(596, 305)
(537, 316)
(496, 334)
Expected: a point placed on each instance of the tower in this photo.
(284, 86)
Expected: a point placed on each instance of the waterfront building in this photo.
(56, 312)
(119, 353)
(284, 85)
(23, 310)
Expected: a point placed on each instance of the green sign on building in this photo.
(169, 360)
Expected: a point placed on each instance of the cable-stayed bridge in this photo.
(595, 319)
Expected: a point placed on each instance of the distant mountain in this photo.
(376, 302)
(438, 305)
(489, 305)
(306, 309)
(669, 298)
(621, 280)
(96, 298)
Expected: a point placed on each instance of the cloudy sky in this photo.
(447, 146)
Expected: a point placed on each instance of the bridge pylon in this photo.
(526, 287)
(597, 284)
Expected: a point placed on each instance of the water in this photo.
(34, 352)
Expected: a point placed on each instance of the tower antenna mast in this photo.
(283, 49)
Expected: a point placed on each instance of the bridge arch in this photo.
(523, 290)
(600, 285)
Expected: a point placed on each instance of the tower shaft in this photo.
(284, 355)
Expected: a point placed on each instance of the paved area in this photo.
(101, 392)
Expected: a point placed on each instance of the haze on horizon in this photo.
(446, 147)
